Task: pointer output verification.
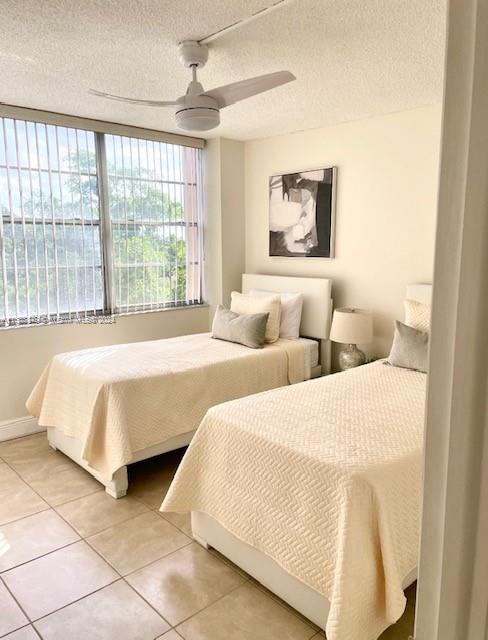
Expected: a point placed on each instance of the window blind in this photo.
(50, 224)
(154, 213)
(94, 224)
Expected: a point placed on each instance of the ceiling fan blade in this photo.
(232, 93)
(146, 103)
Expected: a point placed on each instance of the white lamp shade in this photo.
(352, 326)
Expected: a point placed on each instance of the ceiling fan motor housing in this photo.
(197, 113)
(197, 119)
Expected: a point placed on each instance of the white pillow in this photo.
(246, 304)
(417, 315)
(291, 311)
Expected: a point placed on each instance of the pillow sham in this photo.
(417, 315)
(248, 330)
(291, 311)
(244, 304)
(410, 348)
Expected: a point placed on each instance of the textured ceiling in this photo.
(352, 58)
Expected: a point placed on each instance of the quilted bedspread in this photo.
(120, 399)
(324, 477)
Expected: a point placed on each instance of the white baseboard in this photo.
(19, 427)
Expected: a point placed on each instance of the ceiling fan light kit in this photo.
(197, 118)
(199, 110)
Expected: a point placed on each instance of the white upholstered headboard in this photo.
(420, 293)
(317, 303)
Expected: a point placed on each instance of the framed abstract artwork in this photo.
(302, 214)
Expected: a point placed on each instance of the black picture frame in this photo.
(302, 214)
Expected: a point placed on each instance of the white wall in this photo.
(233, 217)
(225, 223)
(386, 208)
(213, 225)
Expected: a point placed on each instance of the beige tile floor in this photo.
(74, 563)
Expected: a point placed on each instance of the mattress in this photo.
(325, 478)
(310, 354)
(121, 399)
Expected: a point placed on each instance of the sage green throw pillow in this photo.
(246, 329)
(410, 348)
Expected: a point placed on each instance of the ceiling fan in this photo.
(199, 110)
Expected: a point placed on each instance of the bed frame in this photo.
(316, 314)
(316, 311)
(210, 533)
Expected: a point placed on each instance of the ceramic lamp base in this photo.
(351, 357)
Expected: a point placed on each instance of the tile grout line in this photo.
(149, 605)
(144, 566)
(285, 605)
(76, 466)
(121, 577)
(89, 594)
(35, 631)
(95, 533)
(172, 627)
(211, 604)
(141, 500)
(49, 505)
(141, 596)
(50, 451)
(48, 508)
(55, 508)
(2, 581)
(177, 633)
(29, 625)
(81, 540)
(42, 555)
(61, 504)
(247, 579)
(65, 606)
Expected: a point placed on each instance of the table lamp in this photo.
(350, 327)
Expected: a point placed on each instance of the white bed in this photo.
(316, 314)
(112, 406)
(383, 407)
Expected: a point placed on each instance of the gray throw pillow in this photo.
(410, 348)
(246, 329)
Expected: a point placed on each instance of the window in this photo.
(153, 200)
(94, 223)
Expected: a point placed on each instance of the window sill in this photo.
(126, 314)
(103, 319)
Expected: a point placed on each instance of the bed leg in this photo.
(51, 441)
(194, 528)
(203, 543)
(117, 487)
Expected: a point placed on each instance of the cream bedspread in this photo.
(324, 477)
(120, 399)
